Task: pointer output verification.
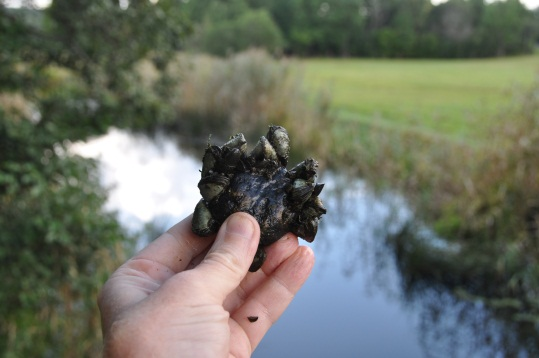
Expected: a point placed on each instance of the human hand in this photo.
(181, 297)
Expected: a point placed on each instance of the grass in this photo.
(456, 98)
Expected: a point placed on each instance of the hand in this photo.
(181, 297)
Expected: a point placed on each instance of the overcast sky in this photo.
(532, 4)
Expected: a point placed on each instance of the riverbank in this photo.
(459, 139)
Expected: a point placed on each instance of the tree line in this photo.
(370, 28)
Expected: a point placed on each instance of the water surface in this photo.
(356, 302)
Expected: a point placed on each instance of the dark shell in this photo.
(258, 183)
(212, 186)
(252, 319)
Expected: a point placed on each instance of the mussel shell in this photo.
(264, 151)
(258, 260)
(278, 137)
(230, 158)
(306, 170)
(306, 229)
(318, 189)
(203, 223)
(301, 191)
(211, 156)
(314, 207)
(318, 205)
(212, 186)
(237, 141)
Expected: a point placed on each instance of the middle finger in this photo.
(276, 254)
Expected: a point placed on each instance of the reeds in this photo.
(482, 195)
(245, 93)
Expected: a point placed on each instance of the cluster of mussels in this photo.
(258, 183)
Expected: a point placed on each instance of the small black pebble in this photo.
(252, 318)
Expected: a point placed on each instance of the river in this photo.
(356, 302)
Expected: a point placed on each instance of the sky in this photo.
(532, 4)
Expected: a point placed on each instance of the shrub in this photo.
(245, 93)
(57, 245)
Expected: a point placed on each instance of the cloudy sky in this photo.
(532, 4)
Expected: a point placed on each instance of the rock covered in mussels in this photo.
(258, 183)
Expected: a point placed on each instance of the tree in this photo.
(506, 28)
(232, 27)
(405, 22)
(67, 73)
(454, 25)
(283, 12)
(57, 245)
(387, 28)
(328, 28)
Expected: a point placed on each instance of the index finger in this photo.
(176, 247)
(143, 274)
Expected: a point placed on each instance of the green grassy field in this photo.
(450, 97)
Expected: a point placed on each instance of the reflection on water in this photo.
(359, 301)
(450, 327)
(150, 178)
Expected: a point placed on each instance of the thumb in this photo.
(228, 260)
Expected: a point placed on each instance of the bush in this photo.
(245, 93)
(57, 245)
(68, 73)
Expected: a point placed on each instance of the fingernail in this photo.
(240, 225)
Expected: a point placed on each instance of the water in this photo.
(149, 179)
(356, 302)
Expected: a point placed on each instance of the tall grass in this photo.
(245, 93)
(484, 197)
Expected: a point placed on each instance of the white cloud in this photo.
(40, 4)
(530, 4)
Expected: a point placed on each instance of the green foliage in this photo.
(250, 29)
(383, 28)
(259, 30)
(57, 247)
(284, 12)
(505, 29)
(318, 28)
(67, 73)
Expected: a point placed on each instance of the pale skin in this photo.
(188, 296)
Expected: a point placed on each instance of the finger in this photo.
(170, 253)
(276, 254)
(137, 278)
(279, 252)
(269, 301)
(198, 259)
(228, 260)
(177, 247)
